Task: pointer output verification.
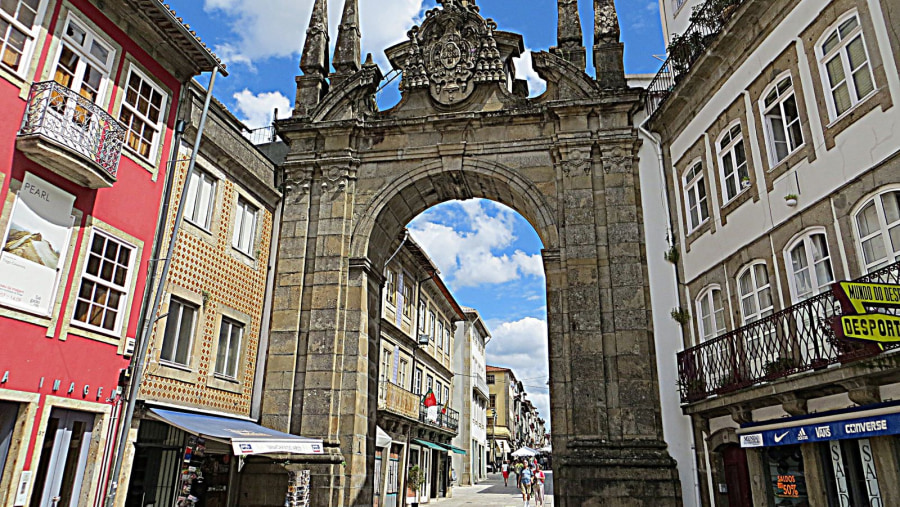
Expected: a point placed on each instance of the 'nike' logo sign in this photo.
(779, 438)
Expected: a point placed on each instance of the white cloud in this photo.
(522, 346)
(468, 254)
(525, 70)
(256, 110)
(277, 28)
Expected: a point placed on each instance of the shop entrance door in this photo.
(60, 473)
(737, 476)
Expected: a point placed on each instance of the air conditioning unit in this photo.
(424, 339)
(129, 346)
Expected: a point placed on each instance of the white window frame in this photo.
(440, 334)
(816, 286)
(84, 54)
(417, 381)
(755, 293)
(387, 364)
(390, 288)
(125, 289)
(447, 339)
(707, 296)
(692, 185)
(422, 318)
(31, 36)
(407, 298)
(182, 304)
(401, 372)
(432, 319)
(777, 108)
(840, 50)
(243, 209)
(195, 199)
(730, 150)
(158, 127)
(884, 228)
(232, 323)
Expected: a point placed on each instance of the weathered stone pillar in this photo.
(758, 468)
(611, 449)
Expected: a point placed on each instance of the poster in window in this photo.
(34, 247)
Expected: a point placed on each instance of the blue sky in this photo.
(488, 254)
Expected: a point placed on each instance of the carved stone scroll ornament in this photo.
(451, 52)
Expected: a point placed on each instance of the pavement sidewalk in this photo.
(492, 493)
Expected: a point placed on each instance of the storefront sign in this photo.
(867, 427)
(244, 448)
(868, 465)
(34, 246)
(873, 327)
(855, 297)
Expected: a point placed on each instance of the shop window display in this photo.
(204, 474)
(852, 465)
(787, 484)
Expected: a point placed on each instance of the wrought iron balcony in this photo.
(395, 399)
(447, 418)
(71, 135)
(796, 339)
(686, 48)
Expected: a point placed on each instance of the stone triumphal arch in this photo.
(464, 128)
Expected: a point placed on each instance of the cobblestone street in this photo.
(493, 493)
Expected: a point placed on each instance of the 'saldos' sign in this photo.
(856, 323)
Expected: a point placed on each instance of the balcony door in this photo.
(60, 473)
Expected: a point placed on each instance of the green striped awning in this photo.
(430, 445)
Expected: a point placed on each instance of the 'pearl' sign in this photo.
(34, 246)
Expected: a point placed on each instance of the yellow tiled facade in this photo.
(206, 263)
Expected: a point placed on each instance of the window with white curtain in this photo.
(244, 227)
(711, 313)
(228, 354)
(809, 261)
(732, 162)
(695, 197)
(784, 133)
(844, 63)
(755, 292)
(200, 199)
(877, 226)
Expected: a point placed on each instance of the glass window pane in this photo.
(185, 332)
(867, 219)
(862, 79)
(222, 352)
(891, 203)
(170, 337)
(830, 43)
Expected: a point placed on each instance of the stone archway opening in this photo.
(565, 160)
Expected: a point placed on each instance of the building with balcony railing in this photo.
(776, 128)
(416, 353)
(90, 92)
(471, 395)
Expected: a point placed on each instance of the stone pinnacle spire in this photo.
(315, 51)
(609, 52)
(347, 53)
(606, 22)
(570, 39)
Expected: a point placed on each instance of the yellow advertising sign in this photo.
(873, 327)
(860, 295)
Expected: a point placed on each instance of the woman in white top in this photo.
(505, 468)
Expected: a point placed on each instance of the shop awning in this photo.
(430, 445)
(455, 449)
(382, 439)
(502, 446)
(839, 425)
(246, 437)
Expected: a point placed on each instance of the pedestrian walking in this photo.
(527, 486)
(539, 478)
(518, 469)
(505, 468)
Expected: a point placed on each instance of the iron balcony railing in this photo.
(796, 339)
(684, 49)
(447, 418)
(264, 135)
(63, 116)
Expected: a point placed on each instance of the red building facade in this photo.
(89, 95)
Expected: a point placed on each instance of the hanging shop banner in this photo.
(856, 297)
(865, 427)
(872, 327)
(34, 246)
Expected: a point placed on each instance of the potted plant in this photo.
(730, 383)
(779, 367)
(745, 182)
(672, 255)
(681, 315)
(414, 480)
(791, 200)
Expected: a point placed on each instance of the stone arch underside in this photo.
(397, 202)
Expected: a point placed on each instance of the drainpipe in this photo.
(262, 350)
(140, 353)
(657, 145)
